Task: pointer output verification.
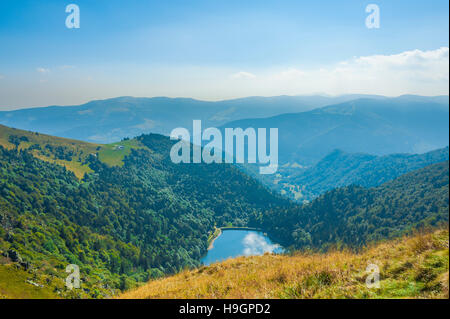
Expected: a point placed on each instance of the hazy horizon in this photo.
(222, 100)
(219, 51)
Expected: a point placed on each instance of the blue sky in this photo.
(213, 49)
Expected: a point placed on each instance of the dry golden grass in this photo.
(415, 267)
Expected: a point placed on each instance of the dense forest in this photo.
(354, 216)
(339, 169)
(147, 217)
(144, 219)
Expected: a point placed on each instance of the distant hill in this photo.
(110, 120)
(407, 124)
(339, 169)
(414, 267)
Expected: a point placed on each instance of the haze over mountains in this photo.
(406, 124)
(320, 147)
(106, 121)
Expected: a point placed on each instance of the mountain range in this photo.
(107, 121)
(110, 120)
(374, 126)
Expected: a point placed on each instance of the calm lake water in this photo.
(234, 243)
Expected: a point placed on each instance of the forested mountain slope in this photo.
(136, 220)
(373, 126)
(339, 169)
(125, 213)
(354, 216)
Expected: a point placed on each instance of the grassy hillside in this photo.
(72, 154)
(16, 283)
(414, 267)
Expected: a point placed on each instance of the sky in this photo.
(214, 50)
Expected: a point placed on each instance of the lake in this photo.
(237, 242)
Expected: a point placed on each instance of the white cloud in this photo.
(43, 70)
(422, 72)
(416, 71)
(416, 65)
(1, 77)
(407, 58)
(243, 75)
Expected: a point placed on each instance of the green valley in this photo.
(122, 224)
(131, 215)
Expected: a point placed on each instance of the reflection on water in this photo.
(257, 244)
(233, 243)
